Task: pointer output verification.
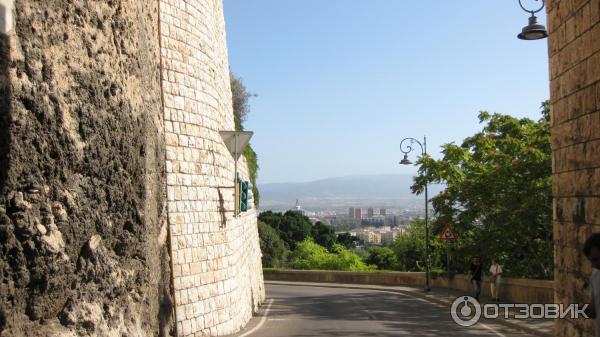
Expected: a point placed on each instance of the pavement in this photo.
(326, 309)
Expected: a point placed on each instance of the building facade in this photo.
(358, 213)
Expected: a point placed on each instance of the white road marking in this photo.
(371, 316)
(492, 329)
(262, 321)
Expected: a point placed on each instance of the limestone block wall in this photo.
(216, 257)
(574, 50)
(109, 121)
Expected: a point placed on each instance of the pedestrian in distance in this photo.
(496, 274)
(591, 250)
(476, 273)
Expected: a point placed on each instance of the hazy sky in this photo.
(341, 82)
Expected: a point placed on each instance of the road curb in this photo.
(414, 293)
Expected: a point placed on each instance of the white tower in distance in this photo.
(298, 208)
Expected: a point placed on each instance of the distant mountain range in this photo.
(386, 190)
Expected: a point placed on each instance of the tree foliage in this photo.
(324, 235)
(310, 255)
(240, 97)
(241, 107)
(382, 257)
(292, 227)
(274, 250)
(347, 240)
(409, 248)
(498, 193)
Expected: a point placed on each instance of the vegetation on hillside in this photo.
(310, 255)
(497, 198)
(305, 246)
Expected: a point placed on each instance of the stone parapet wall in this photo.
(216, 257)
(511, 289)
(331, 276)
(574, 50)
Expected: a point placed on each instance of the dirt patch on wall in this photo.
(81, 172)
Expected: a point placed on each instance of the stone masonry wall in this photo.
(216, 257)
(83, 226)
(574, 50)
(110, 152)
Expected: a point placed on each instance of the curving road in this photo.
(298, 310)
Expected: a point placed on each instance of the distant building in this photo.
(298, 208)
(358, 213)
(370, 212)
(390, 236)
(376, 221)
(382, 211)
(346, 222)
(369, 237)
(351, 212)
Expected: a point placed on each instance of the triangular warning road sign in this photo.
(448, 234)
(236, 141)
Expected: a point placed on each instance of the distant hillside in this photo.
(362, 190)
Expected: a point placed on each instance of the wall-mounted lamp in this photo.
(533, 31)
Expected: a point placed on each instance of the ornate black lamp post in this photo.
(533, 31)
(406, 146)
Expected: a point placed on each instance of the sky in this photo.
(341, 82)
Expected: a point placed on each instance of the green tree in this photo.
(292, 227)
(347, 240)
(324, 235)
(409, 248)
(241, 107)
(240, 97)
(348, 260)
(274, 250)
(382, 257)
(309, 255)
(498, 193)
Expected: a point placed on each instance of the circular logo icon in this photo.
(465, 311)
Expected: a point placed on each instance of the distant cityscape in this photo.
(372, 225)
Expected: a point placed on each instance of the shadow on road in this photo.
(344, 312)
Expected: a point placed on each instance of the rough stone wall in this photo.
(217, 269)
(82, 171)
(86, 196)
(574, 50)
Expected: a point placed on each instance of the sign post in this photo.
(448, 235)
(236, 141)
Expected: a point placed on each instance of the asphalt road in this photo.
(292, 310)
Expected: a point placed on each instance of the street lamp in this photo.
(406, 149)
(533, 31)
